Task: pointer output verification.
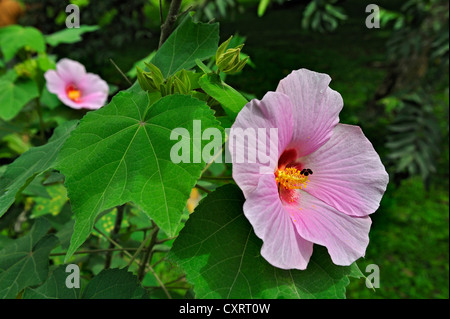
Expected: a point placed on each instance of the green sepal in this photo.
(222, 48)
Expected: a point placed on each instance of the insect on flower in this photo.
(323, 184)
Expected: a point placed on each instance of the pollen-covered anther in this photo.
(292, 178)
(73, 93)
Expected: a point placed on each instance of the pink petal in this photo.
(54, 82)
(316, 108)
(71, 72)
(282, 245)
(93, 101)
(345, 237)
(347, 172)
(92, 83)
(273, 111)
(94, 91)
(65, 99)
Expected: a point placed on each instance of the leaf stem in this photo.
(161, 18)
(41, 119)
(203, 188)
(138, 251)
(164, 240)
(150, 268)
(111, 240)
(149, 253)
(158, 287)
(94, 251)
(182, 277)
(212, 160)
(120, 71)
(163, 287)
(114, 233)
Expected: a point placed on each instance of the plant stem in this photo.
(163, 287)
(150, 268)
(212, 160)
(111, 241)
(93, 251)
(41, 119)
(182, 277)
(158, 262)
(161, 18)
(203, 188)
(167, 27)
(164, 240)
(148, 253)
(114, 233)
(138, 251)
(158, 287)
(120, 71)
(143, 229)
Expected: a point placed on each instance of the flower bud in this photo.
(150, 80)
(26, 69)
(228, 61)
(178, 83)
(181, 82)
(222, 48)
(237, 67)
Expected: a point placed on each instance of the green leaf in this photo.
(53, 288)
(24, 263)
(121, 153)
(15, 37)
(132, 73)
(262, 7)
(65, 233)
(45, 62)
(15, 95)
(114, 284)
(52, 205)
(36, 189)
(307, 14)
(7, 128)
(72, 35)
(31, 163)
(202, 66)
(190, 41)
(231, 100)
(108, 284)
(335, 11)
(220, 254)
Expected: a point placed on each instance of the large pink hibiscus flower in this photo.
(76, 88)
(327, 178)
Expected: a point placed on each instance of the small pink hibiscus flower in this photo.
(327, 178)
(76, 88)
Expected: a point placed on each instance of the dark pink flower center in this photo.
(290, 176)
(73, 93)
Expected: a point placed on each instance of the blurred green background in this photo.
(393, 79)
